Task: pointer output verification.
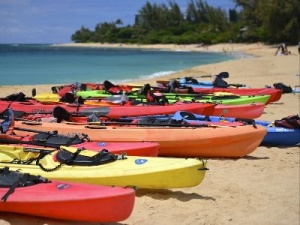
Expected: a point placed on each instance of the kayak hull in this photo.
(140, 172)
(130, 148)
(34, 107)
(184, 141)
(250, 111)
(274, 93)
(71, 201)
(275, 136)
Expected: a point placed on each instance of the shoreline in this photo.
(260, 52)
(262, 188)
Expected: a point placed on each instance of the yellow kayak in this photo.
(75, 165)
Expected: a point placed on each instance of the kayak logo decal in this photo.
(62, 186)
(140, 161)
(101, 144)
(225, 111)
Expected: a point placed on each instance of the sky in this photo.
(54, 21)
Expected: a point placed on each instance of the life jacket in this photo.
(283, 87)
(292, 121)
(7, 125)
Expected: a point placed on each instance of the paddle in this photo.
(156, 124)
(64, 115)
(237, 85)
(220, 75)
(34, 131)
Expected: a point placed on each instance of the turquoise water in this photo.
(48, 64)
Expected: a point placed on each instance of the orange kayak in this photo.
(229, 142)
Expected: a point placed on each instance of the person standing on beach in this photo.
(299, 47)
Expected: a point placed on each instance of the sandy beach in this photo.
(261, 188)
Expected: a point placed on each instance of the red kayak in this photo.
(106, 86)
(38, 196)
(54, 140)
(32, 106)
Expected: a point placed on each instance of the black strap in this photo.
(11, 190)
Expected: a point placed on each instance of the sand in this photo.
(261, 188)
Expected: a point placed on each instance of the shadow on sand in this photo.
(162, 194)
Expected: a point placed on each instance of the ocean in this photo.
(32, 64)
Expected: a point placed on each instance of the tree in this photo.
(271, 20)
(81, 36)
(233, 16)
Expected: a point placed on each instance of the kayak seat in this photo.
(61, 114)
(18, 97)
(188, 116)
(191, 80)
(144, 90)
(51, 139)
(68, 97)
(66, 157)
(175, 87)
(156, 97)
(152, 120)
(12, 180)
(219, 82)
(83, 87)
(111, 88)
(54, 89)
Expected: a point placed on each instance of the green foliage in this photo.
(270, 21)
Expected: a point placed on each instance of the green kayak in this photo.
(173, 97)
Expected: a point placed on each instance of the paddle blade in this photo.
(223, 75)
(33, 92)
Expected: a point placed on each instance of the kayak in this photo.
(104, 168)
(221, 98)
(106, 86)
(54, 140)
(64, 200)
(218, 85)
(230, 142)
(275, 94)
(35, 107)
(276, 135)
